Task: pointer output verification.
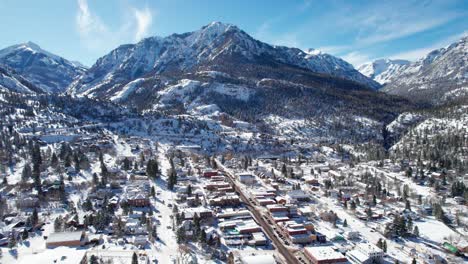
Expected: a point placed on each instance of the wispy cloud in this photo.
(97, 36)
(267, 31)
(398, 28)
(358, 33)
(356, 58)
(418, 53)
(393, 20)
(89, 25)
(335, 49)
(143, 19)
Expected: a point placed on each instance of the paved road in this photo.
(288, 255)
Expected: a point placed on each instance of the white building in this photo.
(365, 253)
(247, 178)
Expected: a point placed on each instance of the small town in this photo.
(234, 132)
(103, 198)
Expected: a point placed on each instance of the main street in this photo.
(286, 253)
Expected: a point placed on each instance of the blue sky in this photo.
(356, 30)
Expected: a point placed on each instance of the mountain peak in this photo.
(312, 51)
(47, 71)
(216, 46)
(383, 70)
(218, 25)
(437, 77)
(32, 45)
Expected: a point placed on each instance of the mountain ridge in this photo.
(49, 72)
(201, 49)
(439, 77)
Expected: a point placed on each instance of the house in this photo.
(138, 200)
(324, 255)
(350, 235)
(297, 195)
(66, 239)
(115, 256)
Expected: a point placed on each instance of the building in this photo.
(138, 200)
(296, 232)
(259, 239)
(209, 173)
(297, 195)
(324, 255)
(366, 253)
(254, 257)
(27, 202)
(66, 239)
(350, 235)
(247, 178)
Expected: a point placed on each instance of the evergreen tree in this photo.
(12, 242)
(416, 231)
(134, 258)
(189, 190)
(104, 174)
(24, 235)
(54, 160)
(126, 164)
(34, 217)
(95, 179)
(380, 243)
(407, 205)
(202, 236)
(93, 260)
(180, 235)
(26, 173)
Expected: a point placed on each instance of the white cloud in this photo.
(356, 58)
(418, 53)
(334, 49)
(86, 22)
(288, 39)
(143, 19)
(398, 28)
(99, 37)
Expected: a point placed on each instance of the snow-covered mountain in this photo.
(383, 70)
(49, 72)
(14, 82)
(215, 47)
(440, 76)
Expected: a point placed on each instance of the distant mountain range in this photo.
(224, 54)
(216, 47)
(383, 70)
(12, 81)
(439, 77)
(48, 72)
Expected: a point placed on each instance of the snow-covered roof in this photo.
(64, 236)
(258, 259)
(324, 253)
